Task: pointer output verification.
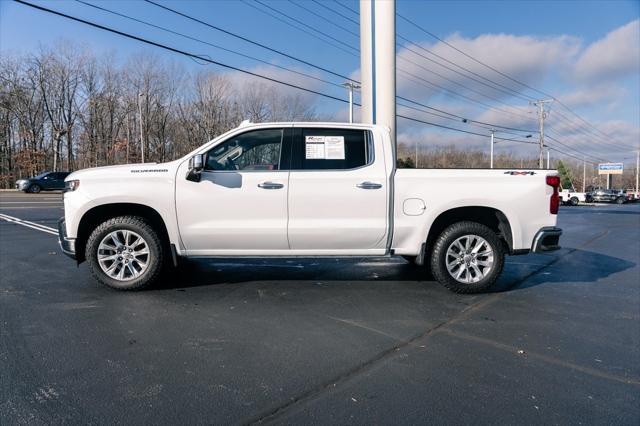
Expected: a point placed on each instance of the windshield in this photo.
(41, 175)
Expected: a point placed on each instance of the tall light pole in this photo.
(548, 163)
(493, 131)
(140, 96)
(637, 172)
(541, 116)
(584, 174)
(491, 161)
(351, 86)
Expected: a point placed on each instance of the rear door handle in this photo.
(270, 185)
(369, 185)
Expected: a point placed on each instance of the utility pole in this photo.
(351, 86)
(140, 96)
(541, 116)
(491, 161)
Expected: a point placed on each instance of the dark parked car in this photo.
(47, 181)
(609, 196)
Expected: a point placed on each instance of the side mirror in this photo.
(196, 164)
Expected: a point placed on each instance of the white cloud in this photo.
(608, 93)
(524, 58)
(616, 55)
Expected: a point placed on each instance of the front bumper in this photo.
(546, 239)
(68, 245)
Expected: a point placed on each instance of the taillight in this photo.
(554, 202)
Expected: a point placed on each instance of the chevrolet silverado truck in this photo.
(305, 190)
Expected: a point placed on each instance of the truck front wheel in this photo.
(467, 257)
(125, 253)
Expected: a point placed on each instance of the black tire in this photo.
(574, 201)
(619, 200)
(34, 188)
(142, 228)
(439, 257)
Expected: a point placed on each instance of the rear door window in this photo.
(331, 149)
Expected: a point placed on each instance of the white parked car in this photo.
(305, 190)
(571, 197)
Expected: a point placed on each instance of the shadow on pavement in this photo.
(577, 266)
(580, 266)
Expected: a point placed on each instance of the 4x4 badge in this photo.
(514, 173)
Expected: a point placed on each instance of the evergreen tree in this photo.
(565, 175)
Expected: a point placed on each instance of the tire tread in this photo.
(150, 276)
(439, 270)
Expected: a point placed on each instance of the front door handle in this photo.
(369, 185)
(270, 185)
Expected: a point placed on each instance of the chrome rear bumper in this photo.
(546, 239)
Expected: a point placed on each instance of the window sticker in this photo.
(334, 147)
(314, 147)
(324, 147)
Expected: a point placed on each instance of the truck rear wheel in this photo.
(125, 253)
(574, 201)
(468, 257)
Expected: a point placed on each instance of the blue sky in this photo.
(584, 52)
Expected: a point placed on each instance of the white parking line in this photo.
(28, 224)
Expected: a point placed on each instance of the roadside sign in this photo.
(610, 168)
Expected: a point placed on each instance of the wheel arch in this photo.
(98, 214)
(488, 216)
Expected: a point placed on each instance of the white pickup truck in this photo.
(572, 197)
(305, 190)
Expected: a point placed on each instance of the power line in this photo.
(456, 83)
(573, 149)
(570, 155)
(324, 18)
(279, 52)
(303, 29)
(346, 7)
(335, 11)
(502, 74)
(464, 119)
(454, 93)
(182, 52)
(469, 56)
(581, 129)
(509, 92)
(304, 24)
(207, 43)
(459, 130)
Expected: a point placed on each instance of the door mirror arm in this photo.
(196, 165)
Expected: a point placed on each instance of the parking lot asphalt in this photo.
(322, 341)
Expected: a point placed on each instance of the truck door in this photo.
(240, 204)
(338, 193)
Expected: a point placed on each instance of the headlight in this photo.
(71, 185)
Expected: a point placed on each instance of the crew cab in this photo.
(305, 190)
